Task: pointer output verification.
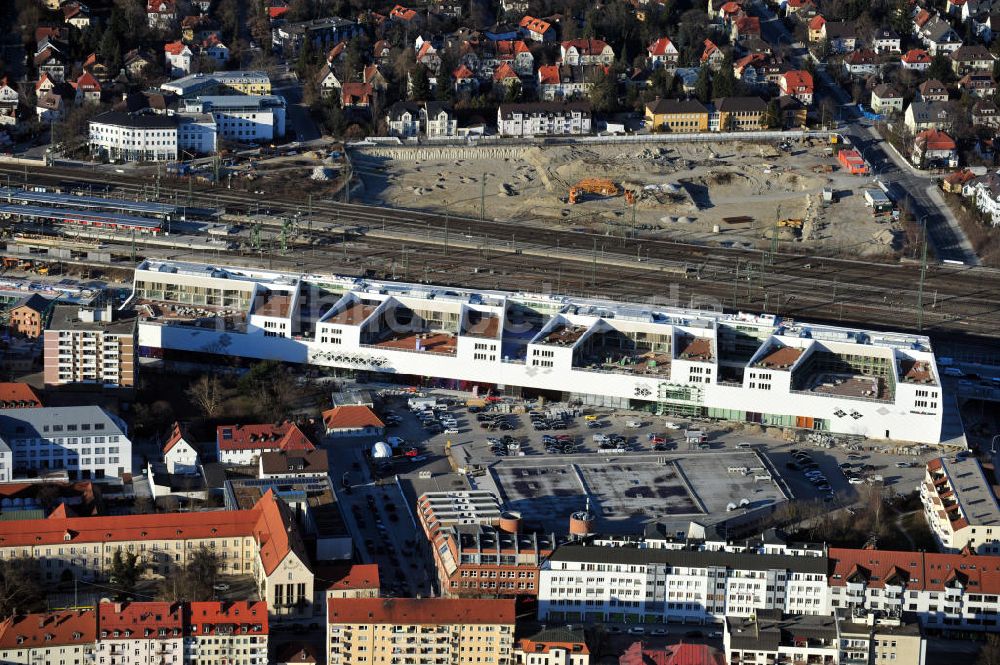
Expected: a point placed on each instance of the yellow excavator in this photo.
(600, 187)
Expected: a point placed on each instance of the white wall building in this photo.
(635, 584)
(960, 506)
(179, 454)
(729, 367)
(544, 119)
(196, 133)
(86, 442)
(243, 118)
(148, 137)
(140, 633)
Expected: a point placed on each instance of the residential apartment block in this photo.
(64, 637)
(735, 367)
(960, 506)
(941, 591)
(27, 316)
(90, 345)
(263, 542)
(544, 119)
(428, 631)
(642, 584)
(84, 442)
(479, 550)
(140, 633)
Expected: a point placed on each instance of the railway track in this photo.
(425, 246)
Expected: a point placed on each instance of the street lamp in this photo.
(993, 444)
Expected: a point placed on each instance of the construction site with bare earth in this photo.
(734, 194)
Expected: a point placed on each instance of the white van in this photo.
(743, 445)
(633, 424)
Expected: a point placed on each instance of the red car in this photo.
(657, 440)
(411, 452)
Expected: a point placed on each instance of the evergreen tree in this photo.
(703, 87)
(420, 86)
(724, 83)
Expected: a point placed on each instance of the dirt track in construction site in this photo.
(686, 191)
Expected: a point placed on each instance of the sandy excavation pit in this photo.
(684, 191)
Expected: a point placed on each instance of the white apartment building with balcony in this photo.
(744, 368)
(637, 584)
(85, 442)
(960, 505)
(90, 345)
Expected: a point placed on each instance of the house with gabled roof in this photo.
(934, 147)
(916, 59)
(243, 444)
(179, 454)
(586, 52)
(712, 55)
(979, 84)
(353, 420)
(537, 30)
(88, 90)
(663, 53)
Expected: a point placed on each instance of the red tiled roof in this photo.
(137, 617)
(276, 12)
(661, 46)
(286, 436)
(673, 654)
(88, 82)
(531, 646)
(748, 24)
(402, 13)
(206, 617)
(153, 6)
(351, 416)
(535, 25)
(798, 80)
(916, 56)
(176, 436)
(462, 72)
(174, 48)
(504, 72)
(935, 139)
(350, 577)
(17, 396)
(263, 521)
(922, 17)
(710, 48)
(354, 92)
(410, 611)
(548, 75)
(817, 22)
(925, 571)
(510, 47)
(425, 49)
(586, 46)
(31, 631)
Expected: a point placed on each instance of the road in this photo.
(906, 183)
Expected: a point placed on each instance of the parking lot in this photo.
(646, 471)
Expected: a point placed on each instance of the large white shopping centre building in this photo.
(736, 367)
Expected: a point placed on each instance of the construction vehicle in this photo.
(790, 223)
(599, 186)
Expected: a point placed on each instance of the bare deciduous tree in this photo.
(207, 394)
